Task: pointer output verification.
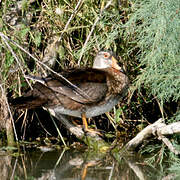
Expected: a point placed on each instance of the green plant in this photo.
(154, 26)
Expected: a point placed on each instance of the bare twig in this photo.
(57, 129)
(71, 17)
(60, 157)
(9, 110)
(160, 107)
(111, 120)
(14, 55)
(14, 168)
(92, 29)
(111, 172)
(41, 124)
(167, 142)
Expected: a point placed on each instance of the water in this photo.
(73, 164)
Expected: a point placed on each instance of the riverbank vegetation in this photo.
(41, 36)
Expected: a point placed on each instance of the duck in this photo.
(103, 86)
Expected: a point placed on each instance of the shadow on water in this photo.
(58, 164)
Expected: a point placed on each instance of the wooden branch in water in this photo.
(158, 128)
(93, 141)
(77, 131)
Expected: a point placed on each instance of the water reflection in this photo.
(59, 164)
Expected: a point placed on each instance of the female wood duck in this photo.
(104, 84)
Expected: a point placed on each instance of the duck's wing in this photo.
(52, 91)
(92, 82)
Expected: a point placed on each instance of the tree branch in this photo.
(158, 128)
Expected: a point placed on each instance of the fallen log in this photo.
(159, 129)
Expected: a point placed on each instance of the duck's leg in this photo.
(86, 129)
(84, 121)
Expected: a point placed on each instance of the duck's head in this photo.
(105, 59)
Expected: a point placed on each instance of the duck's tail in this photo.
(29, 102)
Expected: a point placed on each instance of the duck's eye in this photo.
(106, 55)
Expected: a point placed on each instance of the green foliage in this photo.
(157, 154)
(23, 31)
(175, 169)
(37, 39)
(155, 26)
(154, 31)
(118, 114)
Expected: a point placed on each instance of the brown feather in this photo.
(98, 84)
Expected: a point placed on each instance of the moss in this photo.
(96, 144)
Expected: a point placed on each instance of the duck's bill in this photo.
(115, 64)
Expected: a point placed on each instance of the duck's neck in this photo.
(117, 81)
